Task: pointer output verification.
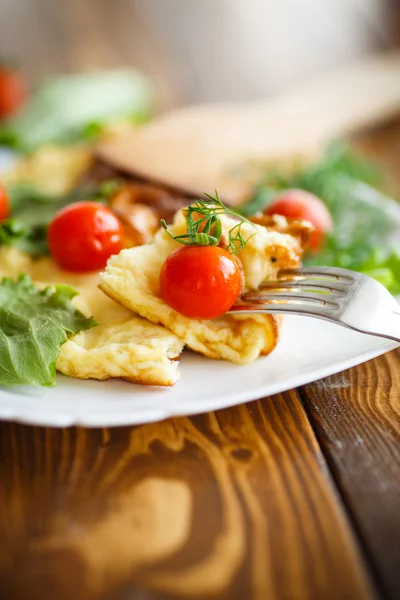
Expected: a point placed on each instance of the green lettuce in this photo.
(70, 108)
(34, 324)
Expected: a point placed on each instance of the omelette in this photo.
(120, 346)
(131, 278)
(139, 337)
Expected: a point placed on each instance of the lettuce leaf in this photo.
(34, 324)
(70, 108)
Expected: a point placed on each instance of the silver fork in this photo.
(344, 297)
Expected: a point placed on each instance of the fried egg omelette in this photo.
(121, 346)
(139, 337)
(131, 278)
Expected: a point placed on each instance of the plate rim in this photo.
(157, 414)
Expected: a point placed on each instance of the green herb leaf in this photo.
(34, 324)
(206, 229)
(70, 108)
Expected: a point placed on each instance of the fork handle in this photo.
(388, 326)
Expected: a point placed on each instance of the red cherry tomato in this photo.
(201, 282)
(13, 91)
(83, 236)
(298, 204)
(4, 204)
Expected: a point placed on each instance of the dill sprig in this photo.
(204, 227)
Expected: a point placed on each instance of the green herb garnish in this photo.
(204, 227)
(34, 324)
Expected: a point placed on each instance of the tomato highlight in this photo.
(83, 236)
(201, 282)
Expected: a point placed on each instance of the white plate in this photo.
(309, 349)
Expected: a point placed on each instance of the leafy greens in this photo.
(366, 234)
(34, 324)
(32, 210)
(71, 108)
(204, 227)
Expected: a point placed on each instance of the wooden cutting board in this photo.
(222, 146)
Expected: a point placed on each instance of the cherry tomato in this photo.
(298, 204)
(201, 282)
(13, 91)
(4, 204)
(83, 236)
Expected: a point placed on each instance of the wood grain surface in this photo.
(233, 504)
(382, 145)
(356, 417)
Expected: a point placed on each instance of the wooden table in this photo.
(291, 497)
(294, 497)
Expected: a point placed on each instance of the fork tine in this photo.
(334, 273)
(336, 288)
(289, 298)
(311, 310)
(364, 306)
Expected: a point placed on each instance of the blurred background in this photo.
(197, 50)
